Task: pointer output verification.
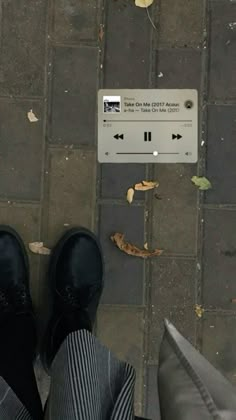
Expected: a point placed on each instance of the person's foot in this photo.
(16, 306)
(14, 275)
(76, 282)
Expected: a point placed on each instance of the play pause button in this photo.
(147, 136)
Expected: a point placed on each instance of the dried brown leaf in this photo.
(146, 185)
(130, 249)
(130, 195)
(38, 248)
(199, 311)
(233, 300)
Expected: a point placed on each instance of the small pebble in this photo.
(232, 25)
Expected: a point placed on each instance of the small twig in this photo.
(149, 17)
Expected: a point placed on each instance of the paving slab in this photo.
(121, 330)
(74, 93)
(26, 221)
(180, 23)
(174, 224)
(152, 401)
(219, 258)
(219, 343)
(127, 32)
(117, 178)
(222, 61)
(124, 276)
(71, 198)
(22, 40)
(178, 68)
(172, 296)
(21, 151)
(221, 154)
(75, 22)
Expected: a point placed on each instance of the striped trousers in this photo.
(87, 383)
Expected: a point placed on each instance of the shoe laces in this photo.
(15, 299)
(78, 298)
(22, 296)
(3, 300)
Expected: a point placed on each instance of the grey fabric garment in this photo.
(87, 383)
(10, 406)
(189, 386)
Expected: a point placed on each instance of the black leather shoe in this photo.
(14, 275)
(76, 282)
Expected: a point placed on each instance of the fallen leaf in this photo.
(199, 311)
(101, 33)
(130, 195)
(233, 300)
(143, 3)
(146, 185)
(31, 116)
(201, 182)
(145, 245)
(38, 248)
(130, 249)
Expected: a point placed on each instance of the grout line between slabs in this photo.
(74, 147)
(148, 214)
(78, 45)
(202, 162)
(45, 176)
(19, 203)
(228, 207)
(101, 55)
(17, 98)
(217, 311)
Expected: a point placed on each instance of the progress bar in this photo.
(149, 121)
(144, 153)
